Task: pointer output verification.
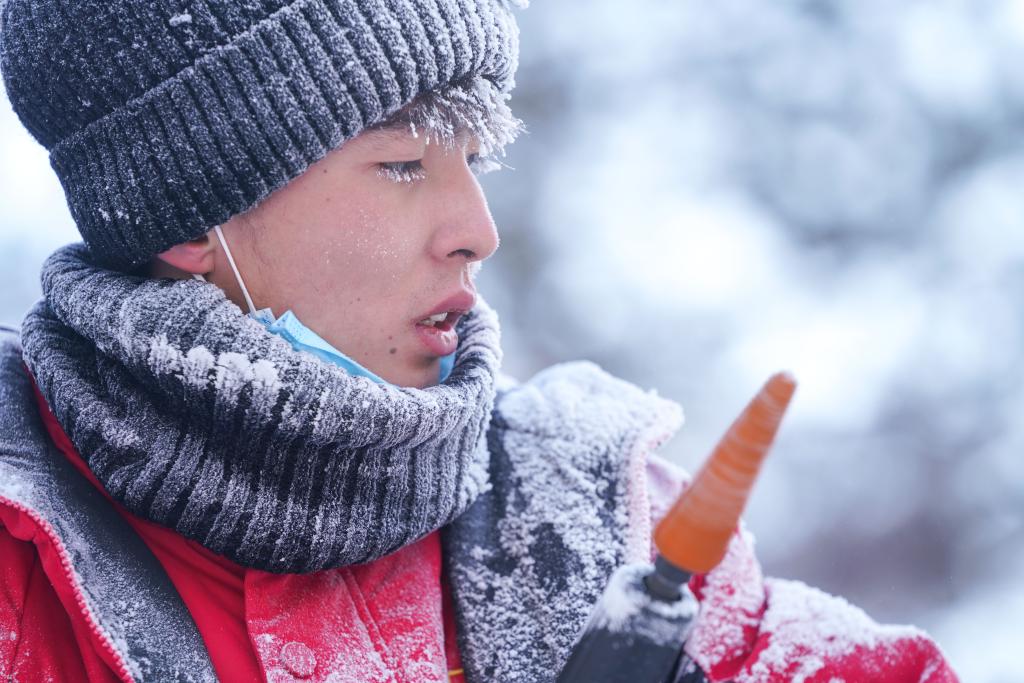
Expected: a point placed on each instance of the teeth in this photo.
(434, 319)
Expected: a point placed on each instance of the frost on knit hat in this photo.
(165, 117)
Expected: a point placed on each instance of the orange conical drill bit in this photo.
(643, 618)
(695, 533)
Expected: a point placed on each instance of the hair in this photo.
(472, 104)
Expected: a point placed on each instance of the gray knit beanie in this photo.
(164, 118)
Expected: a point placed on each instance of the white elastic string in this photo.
(234, 269)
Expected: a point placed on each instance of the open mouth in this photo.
(437, 330)
(438, 334)
(442, 321)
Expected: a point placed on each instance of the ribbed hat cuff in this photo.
(222, 134)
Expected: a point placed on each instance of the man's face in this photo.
(361, 254)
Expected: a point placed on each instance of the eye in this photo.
(412, 171)
(482, 164)
(401, 171)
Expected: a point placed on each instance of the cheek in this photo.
(374, 241)
(360, 243)
(360, 263)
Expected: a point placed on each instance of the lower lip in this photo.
(440, 340)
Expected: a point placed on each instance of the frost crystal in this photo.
(472, 104)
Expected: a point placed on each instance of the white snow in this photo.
(196, 367)
(810, 627)
(233, 371)
(565, 425)
(163, 358)
(732, 599)
(626, 606)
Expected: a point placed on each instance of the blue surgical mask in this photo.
(291, 329)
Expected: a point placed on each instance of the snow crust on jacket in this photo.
(567, 504)
(574, 483)
(576, 487)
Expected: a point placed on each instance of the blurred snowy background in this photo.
(713, 191)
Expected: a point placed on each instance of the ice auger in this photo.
(639, 625)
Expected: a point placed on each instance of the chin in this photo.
(414, 377)
(427, 380)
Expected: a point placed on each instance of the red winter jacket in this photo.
(389, 620)
(388, 615)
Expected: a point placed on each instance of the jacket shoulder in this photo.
(25, 465)
(567, 504)
(580, 400)
(12, 395)
(97, 564)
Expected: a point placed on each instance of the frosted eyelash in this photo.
(485, 164)
(399, 171)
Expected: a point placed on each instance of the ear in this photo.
(194, 256)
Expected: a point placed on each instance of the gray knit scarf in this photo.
(194, 416)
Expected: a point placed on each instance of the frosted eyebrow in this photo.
(377, 138)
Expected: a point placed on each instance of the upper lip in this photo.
(460, 302)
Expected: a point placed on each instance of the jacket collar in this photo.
(135, 615)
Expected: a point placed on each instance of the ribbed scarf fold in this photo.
(194, 416)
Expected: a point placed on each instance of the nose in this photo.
(466, 229)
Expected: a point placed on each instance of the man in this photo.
(256, 427)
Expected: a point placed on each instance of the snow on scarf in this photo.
(194, 416)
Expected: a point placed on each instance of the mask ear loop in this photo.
(234, 269)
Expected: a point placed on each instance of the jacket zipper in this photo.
(97, 631)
